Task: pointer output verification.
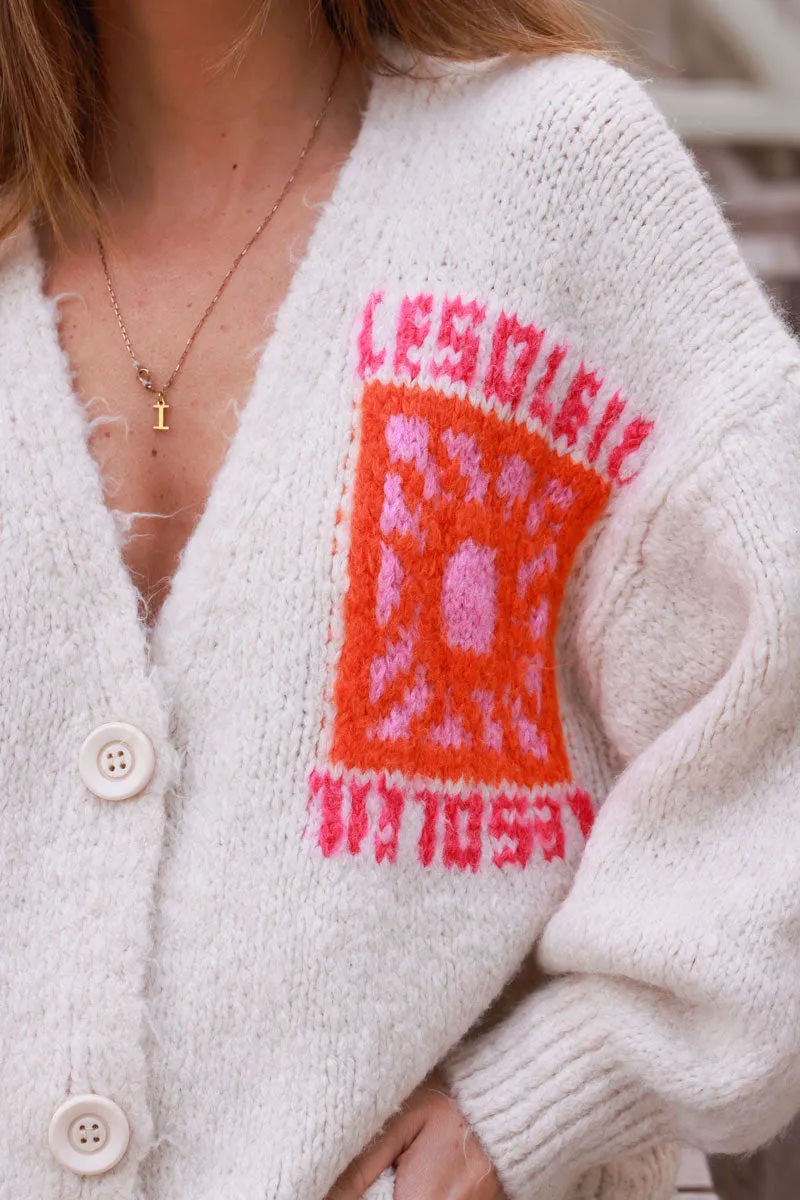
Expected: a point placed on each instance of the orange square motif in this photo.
(464, 530)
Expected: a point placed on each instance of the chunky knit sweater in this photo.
(484, 656)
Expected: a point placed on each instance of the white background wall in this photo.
(758, 184)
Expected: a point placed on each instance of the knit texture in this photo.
(486, 646)
(649, 1176)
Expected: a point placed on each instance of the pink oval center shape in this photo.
(469, 598)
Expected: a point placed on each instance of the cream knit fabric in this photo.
(507, 540)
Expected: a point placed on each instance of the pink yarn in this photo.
(559, 495)
(541, 409)
(463, 842)
(391, 815)
(358, 825)
(396, 661)
(469, 598)
(390, 584)
(534, 679)
(614, 410)
(329, 791)
(539, 620)
(408, 439)
(574, 412)
(514, 482)
(369, 362)
(466, 829)
(450, 733)
(541, 564)
(535, 517)
(634, 436)
(396, 517)
(492, 730)
(520, 342)
(464, 447)
(457, 332)
(530, 739)
(413, 327)
(415, 702)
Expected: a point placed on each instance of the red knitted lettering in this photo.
(457, 333)
(541, 408)
(369, 362)
(509, 333)
(501, 827)
(581, 804)
(548, 829)
(509, 821)
(358, 825)
(614, 410)
(427, 838)
(331, 830)
(574, 412)
(455, 852)
(633, 437)
(390, 819)
(448, 344)
(413, 327)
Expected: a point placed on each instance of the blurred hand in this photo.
(435, 1155)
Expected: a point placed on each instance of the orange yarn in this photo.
(464, 530)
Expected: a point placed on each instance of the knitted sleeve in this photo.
(672, 1011)
(671, 1006)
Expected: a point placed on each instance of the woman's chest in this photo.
(157, 464)
(157, 483)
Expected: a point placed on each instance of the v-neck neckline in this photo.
(154, 638)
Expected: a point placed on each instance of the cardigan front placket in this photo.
(77, 943)
(76, 658)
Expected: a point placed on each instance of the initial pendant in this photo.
(162, 407)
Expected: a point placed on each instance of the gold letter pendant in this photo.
(162, 407)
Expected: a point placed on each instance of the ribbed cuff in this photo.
(544, 1095)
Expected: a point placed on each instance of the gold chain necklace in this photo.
(143, 373)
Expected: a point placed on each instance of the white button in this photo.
(89, 1134)
(116, 761)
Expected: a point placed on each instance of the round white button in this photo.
(116, 761)
(89, 1134)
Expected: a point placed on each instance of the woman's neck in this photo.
(192, 124)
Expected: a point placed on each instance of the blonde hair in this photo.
(51, 74)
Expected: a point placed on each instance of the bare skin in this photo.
(433, 1151)
(195, 161)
